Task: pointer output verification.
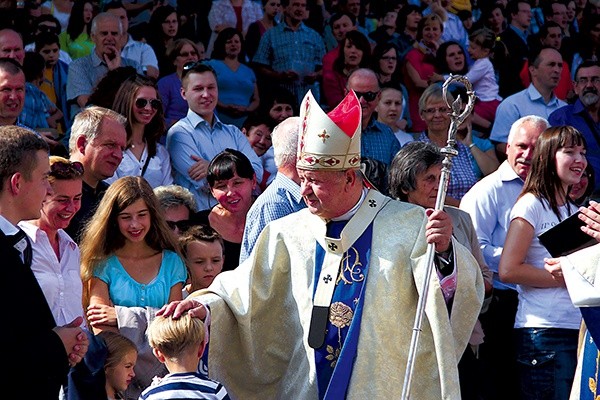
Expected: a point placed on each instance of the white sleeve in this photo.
(583, 293)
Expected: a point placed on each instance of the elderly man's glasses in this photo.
(66, 169)
(154, 103)
(368, 96)
(584, 80)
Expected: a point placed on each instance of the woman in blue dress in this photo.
(238, 91)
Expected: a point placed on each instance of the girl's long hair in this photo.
(543, 180)
(76, 25)
(101, 235)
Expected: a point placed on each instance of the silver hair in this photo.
(105, 16)
(285, 141)
(433, 92)
(531, 120)
(170, 196)
(87, 123)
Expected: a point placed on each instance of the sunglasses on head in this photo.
(368, 96)
(193, 64)
(141, 103)
(189, 66)
(66, 169)
(182, 225)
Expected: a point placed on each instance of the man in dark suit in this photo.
(35, 349)
(514, 39)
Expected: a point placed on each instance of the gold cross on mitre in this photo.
(324, 135)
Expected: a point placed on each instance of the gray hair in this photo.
(533, 121)
(105, 16)
(87, 123)
(413, 159)
(170, 196)
(285, 141)
(433, 92)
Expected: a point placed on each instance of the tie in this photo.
(20, 242)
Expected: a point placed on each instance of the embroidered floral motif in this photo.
(333, 355)
(340, 316)
(351, 273)
(593, 382)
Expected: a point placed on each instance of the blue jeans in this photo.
(547, 358)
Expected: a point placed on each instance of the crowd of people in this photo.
(236, 198)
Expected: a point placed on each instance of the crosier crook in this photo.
(456, 119)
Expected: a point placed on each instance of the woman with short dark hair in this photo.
(232, 182)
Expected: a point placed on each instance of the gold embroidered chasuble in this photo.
(587, 263)
(261, 314)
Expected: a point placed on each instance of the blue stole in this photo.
(335, 359)
(589, 389)
(591, 355)
(591, 316)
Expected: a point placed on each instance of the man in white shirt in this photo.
(134, 50)
(489, 203)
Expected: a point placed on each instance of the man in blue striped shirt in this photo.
(291, 54)
(282, 196)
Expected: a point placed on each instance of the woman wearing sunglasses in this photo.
(56, 257)
(137, 99)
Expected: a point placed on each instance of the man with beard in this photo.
(583, 114)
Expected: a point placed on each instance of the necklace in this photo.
(142, 145)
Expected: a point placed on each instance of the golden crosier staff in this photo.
(456, 118)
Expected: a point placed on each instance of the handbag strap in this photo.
(145, 167)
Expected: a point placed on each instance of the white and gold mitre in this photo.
(329, 142)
